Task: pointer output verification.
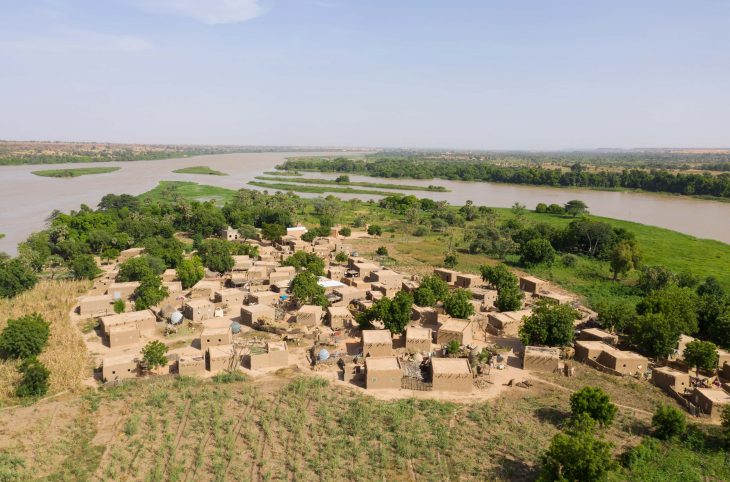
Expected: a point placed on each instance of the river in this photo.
(29, 199)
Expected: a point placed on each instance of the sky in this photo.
(459, 74)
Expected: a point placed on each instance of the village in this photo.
(247, 320)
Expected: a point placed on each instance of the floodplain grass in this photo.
(75, 172)
(279, 186)
(333, 182)
(199, 170)
(171, 191)
(283, 173)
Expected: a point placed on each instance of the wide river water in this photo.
(28, 199)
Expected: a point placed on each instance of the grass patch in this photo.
(332, 182)
(199, 170)
(170, 191)
(76, 172)
(283, 173)
(318, 189)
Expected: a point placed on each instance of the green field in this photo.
(199, 170)
(279, 186)
(75, 172)
(190, 191)
(332, 182)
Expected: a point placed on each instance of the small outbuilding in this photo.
(122, 291)
(272, 355)
(669, 378)
(189, 364)
(264, 298)
(711, 401)
(596, 334)
(230, 296)
(118, 367)
(97, 305)
(418, 339)
(541, 359)
(122, 335)
(383, 373)
(377, 343)
(309, 315)
(220, 358)
(215, 336)
(623, 362)
(451, 375)
(339, 317)
(199, 309)
(530, 284)
(455, 329)
(468, 281)
(448, 275)
(204, 289)
(254, 314)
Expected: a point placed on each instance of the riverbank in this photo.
(70, 173)
(279, 186)
(376, 185)
(205, 170)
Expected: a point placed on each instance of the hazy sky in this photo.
(493, 74)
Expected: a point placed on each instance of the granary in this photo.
(118, 367)
(531, 284)
(623, 362)
(666, 378)
(169, 275)
(198, 310)
(309, 315)
(387, 277)
(377, 343)
(272, 355)
(215, 337)
(425, 315)
(122, 291)
(468, 281)
(241, 262)
(205, 289)
(448, 275)
(452, 329)
(541, 359)
(349, 294)
(230, 296)
(596, 334)
(588, 350)
(129, 253)
(296, 231)
(190, 364)
(558, 298)
(254, 314)
(230, 234)
(711, 401)
(122, 335)
(219, 358)
(383, 373)
(143, 320)
(339, 317)
(418, 339)
(451, 375)
(95, 305)
(264, 298)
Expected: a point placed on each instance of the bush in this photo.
(229, 377)
(119, 306)
(453, 347)
(646, 451)
(84, 266)
(341, 257)
(15, 277)
(420, 231)
(424, 296)
(595, 403)
(541, 208)
(345, 232)
(577, 455)
(154, 354)
(375, 230)
(550, 324)
(382, 251)
(536, 251)
(569, 260)
(458, 304)
(668, 422)
(35, 379)
(24, 337)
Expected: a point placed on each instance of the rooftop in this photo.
(597, 332)
(417, 333)
(276, 346)
(329, 283)
(198, 303)
(120, 358)
(218, 330)
(454, 324)
(256, 308)
(129, 316)
(376, 336)
(716, 395)
(451, 366)
(221, 351)
(313, 309)
(382, 363)
(542, 351)
(339, 311)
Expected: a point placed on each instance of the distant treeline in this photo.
(655, 180)
(117, 155)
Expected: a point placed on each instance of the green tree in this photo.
(654, 278)
(34, 382)
(110, 254)
(119, 306)
(576, 455)
(719, 330)
(458, 304)
(382, 251)
(453, 347)
(450, 261)
(136, 268)
(345, 232)
(509, 298)
(216, 255)
(395, 313)
(424, 296)
(190, 271)
(150, 292)
(273, 232)
(654, 334)
(702, 355)
(83, 266)
(676, 304)
(536, 251)
(302, 260)
(375, 230)
(624, 257)
(498, 275)
(154, 354)
(550, 324)
(725, 419)
(15, 277)
(341, 257)
(541, 208)
(668, 422)
(438, 287)
(246, 231)
(576, 207)
(24, 337)
(595, 403)
(343, 178)
(307, 290)
(615, 315)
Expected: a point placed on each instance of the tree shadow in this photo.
(515, 470)
(552, 415)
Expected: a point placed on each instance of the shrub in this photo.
(541, 208)
(668, 422)
(536, 251)
(458, 304)
(375, 230)
(24, 337)
(550, 324)
(15, 277)
(119, 306)
(577, 455)
(154, 354)
(420, 231)
(595, 403)
(382, 251)
(34, 382)
(453, 347)
(341, 257)
(345, 232)
(84, 266)
(569, 260)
